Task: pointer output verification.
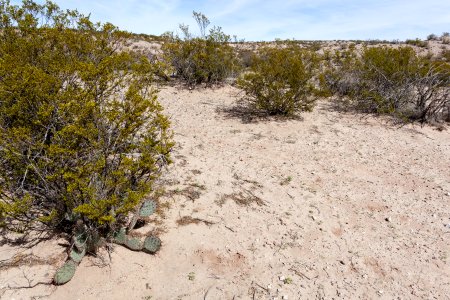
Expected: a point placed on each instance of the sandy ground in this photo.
(328, 206)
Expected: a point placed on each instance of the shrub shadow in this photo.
(28, 240)
(248, 115)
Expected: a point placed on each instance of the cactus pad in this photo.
(152, 244)
(76, 255)
(120, 236)
(147, 208)
(65, 273)
(79, 241)
(95, 241)
(133, 243)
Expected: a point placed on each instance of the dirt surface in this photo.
(330, 205)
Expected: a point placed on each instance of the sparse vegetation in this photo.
(83, 140)
(391, 81)
(445, 38)
(288, 280)
(191, 276)
(205, 59)
(280, 81)
(417, 42)
(286, 180)
(432, 37)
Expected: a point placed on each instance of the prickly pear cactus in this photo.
(65, 273)
(77, 255)
(133, 243)
(79, 241)
(95, 241)
(120, 236)
(152, 244)
(148, 208)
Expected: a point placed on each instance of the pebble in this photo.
(269, 287)
(284, 297)
(282, 278)
(388, 219)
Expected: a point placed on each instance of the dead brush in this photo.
(187, 220)
(241, 198)
(192, 192)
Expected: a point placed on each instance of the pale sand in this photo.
(364, 215)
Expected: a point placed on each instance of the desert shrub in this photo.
(205, 59)
(82, 135)
(315, 46)
(391, 81)
(432, 37)
(246, 57)
(417, 43)
(445, 38)
(444, 55)
(335, 72)
(280, 80)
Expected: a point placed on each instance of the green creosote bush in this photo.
(391, 81)
(417, 42)
(206, 59)
(245, 58)
(82, 135)
(281, 80)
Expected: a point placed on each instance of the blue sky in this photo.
(255, 20)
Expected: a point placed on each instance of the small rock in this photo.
(282, 278)
(269, 287)
(284, 297)
(388, 219)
